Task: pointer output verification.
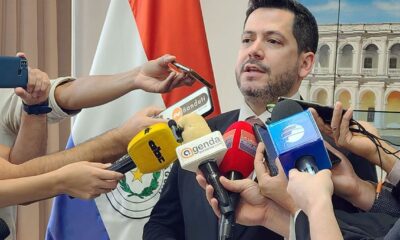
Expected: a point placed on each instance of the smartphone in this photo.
(259, 132)
(13, 72)
(334, 159)
(325, 112)
(181, 68)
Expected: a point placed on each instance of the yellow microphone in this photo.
(151, 150)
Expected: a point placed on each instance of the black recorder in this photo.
(325, 112)
(13, 72)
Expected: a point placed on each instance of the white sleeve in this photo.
(58, 114)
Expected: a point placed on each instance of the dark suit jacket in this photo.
(183, 211)
(355, 226)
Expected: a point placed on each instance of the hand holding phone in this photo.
(325, 112)
(13, 72)
(260, 132)
(181, 68)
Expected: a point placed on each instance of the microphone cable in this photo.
(378, 144)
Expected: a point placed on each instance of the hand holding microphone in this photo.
(236, 164)
(293, 136)
(307, 190)
(150, 150)
(253, 209)
(203, 149)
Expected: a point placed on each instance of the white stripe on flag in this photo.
(119, 49)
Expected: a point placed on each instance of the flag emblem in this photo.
(137, 193)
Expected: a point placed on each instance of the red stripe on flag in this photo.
(176, 27)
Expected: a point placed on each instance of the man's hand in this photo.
(138, 122)
(308, 190)
(272, 187)
(38, 88)
(253, 209)
(156, 76)
(87, 180)
(348, 185)
(357, 143)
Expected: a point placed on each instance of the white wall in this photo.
(223, 20)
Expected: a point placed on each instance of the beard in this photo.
(275, 87)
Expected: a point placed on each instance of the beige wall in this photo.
(41, 29)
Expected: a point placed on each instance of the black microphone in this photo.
(238, 163)
(203, 149)
(4, 230)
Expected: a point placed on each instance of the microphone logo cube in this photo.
(208, 147)
(294, 137)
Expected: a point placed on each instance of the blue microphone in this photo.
(294, 137)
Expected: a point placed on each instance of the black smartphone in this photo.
(192, 74)
(13, 72)
(325, 112)
(334, 159)
(259, 132)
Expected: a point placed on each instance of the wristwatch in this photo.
(37, 109)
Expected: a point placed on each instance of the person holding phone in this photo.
(26, 112)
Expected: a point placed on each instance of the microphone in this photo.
(151, 150)
(203, 149)
(293, 137)
(4, 230)
(238, 163)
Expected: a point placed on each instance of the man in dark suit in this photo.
(278, 48)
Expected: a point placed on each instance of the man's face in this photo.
(267, 64)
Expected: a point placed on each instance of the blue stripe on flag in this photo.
(75, 219)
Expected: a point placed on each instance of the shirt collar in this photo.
(246, 112)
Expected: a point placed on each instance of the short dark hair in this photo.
(305, 28)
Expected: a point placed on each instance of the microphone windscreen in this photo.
(241, 143)
(194, 126)
(284, 109)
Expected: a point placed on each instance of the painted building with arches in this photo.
(360, 66)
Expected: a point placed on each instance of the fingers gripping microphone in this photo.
(294, 137)
(150, 150)
(4, 230)
(238, 163)
(203, 149)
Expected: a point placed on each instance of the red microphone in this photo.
(238, 163)
(242, 145)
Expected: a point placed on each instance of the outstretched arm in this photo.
(83, 180)
(153, 76)
(105, 148)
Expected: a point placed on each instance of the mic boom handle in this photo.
(211, 172)
(123, 165)
(228, 221)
